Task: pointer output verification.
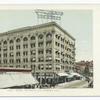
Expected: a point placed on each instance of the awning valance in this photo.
(63, 74)
(75, 74)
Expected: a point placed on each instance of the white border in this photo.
(48, 1)
(96, 49)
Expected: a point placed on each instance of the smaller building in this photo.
(84, 67)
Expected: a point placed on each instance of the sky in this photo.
(78, 23)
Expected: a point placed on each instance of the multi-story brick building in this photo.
(47, 48)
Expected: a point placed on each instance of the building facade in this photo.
(47, 49)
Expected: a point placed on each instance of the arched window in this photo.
(56, 36)
(49, 35)
(33, 38)
(40, 36)
(11, 41)
(5, 42)
(18, 40)
(25, 39)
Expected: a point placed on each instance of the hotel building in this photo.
(46, 48)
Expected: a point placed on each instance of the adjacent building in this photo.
(47, 48)
(84, 67)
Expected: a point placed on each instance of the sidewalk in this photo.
(77, 83)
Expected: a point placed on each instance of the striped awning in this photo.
(11, 79)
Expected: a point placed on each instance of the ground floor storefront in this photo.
(52, 79)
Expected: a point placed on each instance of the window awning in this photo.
(75, 74)
(70, 76)
(11, 79)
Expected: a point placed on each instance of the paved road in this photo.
(75, 84)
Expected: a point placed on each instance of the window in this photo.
(40, 44)
(57, 68)
(11, 60)
(17, 46)
(25, 53)
(5, 48)
(62, 39)
(49, 66)
(25, 66)
(5, 61)
(33, 59)
(33, 52)
(62, 60)
(49, 51)
(40, 67)
(0, 48)
(0, 61)
(25, 46)
(33, 67)
(11, 54)
(49, 58)
(41, 59)
(32, 45)
(33, 38)
(17, 66)
(18, 40)
(62, 46)
(10, 66)
(68, 42)
(57, 44)
(49, 35)
(18, 60)
(11, 41)
(57, 61)
(5, 42)
(48, 43)
(5, 54)
(40, 51)
(17, 53)
(0, 55)
(57, 53)
(11, 47)
(57, 36)
(25, 60)
(25, 39)
(40, 36)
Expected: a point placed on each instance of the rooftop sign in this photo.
(48, 14)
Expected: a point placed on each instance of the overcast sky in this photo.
(77, 22)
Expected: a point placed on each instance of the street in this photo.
(73, 84)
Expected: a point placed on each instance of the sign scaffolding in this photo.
(48, 15)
